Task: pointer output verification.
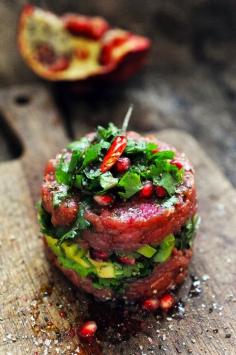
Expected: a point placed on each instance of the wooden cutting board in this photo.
(40, 311)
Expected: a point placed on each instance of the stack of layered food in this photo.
(118, 214)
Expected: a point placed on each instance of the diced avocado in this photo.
(70, 249)
(73, 252)
(81, 261)
(52, 243)
(103, 269)
(146, 251)
(165, 249)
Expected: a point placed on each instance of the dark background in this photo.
(189, 82)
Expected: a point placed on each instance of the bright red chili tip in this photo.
(114, 152)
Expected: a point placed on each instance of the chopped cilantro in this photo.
(108, 181)
(60, 195)
(184, 239)
(108, 133)
(131, 183)
(62, 169)
(91, 154)
(167, 181)
(170, 202)
(80, 168)
(79, 145)
(134, 147)
(79, 225)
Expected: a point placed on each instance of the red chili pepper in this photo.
(114, 152)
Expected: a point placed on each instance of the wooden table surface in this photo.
(40, 311)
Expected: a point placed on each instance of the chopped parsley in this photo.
(79, 167)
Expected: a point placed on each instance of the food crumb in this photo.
(47, 342)
(205, 277)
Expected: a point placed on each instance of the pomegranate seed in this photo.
(104, 200)
(167, 302)
(177, 163)
(60, 64)
(160, 191)
(128, 260)
(122, 165)
(146, 191)
(99, 255)
(88, 329)
(151, 304)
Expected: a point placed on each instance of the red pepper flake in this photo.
(104, 200)
(114, 152)
(88, 329)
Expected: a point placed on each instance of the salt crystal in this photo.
(205, 277)
(47, 342)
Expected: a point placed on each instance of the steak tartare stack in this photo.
(118, 214)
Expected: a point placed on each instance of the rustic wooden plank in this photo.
(38, 306)
(30, 113)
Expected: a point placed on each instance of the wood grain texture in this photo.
(33, 296)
